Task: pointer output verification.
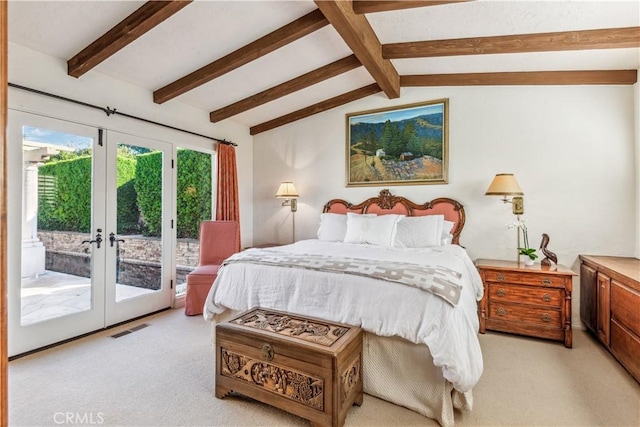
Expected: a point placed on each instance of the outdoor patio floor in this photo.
(54, 294)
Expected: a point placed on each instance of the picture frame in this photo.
(402, 145)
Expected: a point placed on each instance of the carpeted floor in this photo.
(162, 375)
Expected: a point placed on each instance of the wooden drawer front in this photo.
(526, 294)
(527, 314)
(625, 306)
(626, 347)
(528, 278)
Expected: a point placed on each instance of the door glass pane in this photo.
(193, 200)
(56, 219)
(138, 239)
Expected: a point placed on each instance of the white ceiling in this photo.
(207, 30)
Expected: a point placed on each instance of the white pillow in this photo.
(375, 230)
(447, 226)
(447, 240)
(333, 227)
(447, 237)
(419, 231)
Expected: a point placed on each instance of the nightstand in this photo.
(528, 300)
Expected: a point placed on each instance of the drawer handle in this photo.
(500, 277)
(267, 352)
(501, 311)
(546, 281)
(501, 292)
(546, 297)
(546, 317)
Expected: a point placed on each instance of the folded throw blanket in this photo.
(438, 280)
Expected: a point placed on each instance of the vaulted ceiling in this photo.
(268, 63)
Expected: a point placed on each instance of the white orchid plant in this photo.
(525, 250)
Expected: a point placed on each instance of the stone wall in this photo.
(138, 258)
(142, 274)
(68, 262)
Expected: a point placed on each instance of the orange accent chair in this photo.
(218, 241)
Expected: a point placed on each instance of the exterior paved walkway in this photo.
(54, 294)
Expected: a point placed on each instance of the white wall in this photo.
(38, 71)
(571, 148)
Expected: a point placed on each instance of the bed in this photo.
(421, 347)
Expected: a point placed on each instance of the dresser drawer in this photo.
(526, 294)
(527, 314)
(541, 279)
(626, 347)
(625, 306)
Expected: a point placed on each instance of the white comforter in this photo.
(383, 308)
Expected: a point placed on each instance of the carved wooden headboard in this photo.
(387, 203)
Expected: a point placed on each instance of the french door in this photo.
(89, 229)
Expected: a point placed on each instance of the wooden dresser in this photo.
(527, 300)
(610, 305)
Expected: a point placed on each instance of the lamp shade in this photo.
(504, 184)
(287, 190)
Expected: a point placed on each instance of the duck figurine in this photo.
(549, 256)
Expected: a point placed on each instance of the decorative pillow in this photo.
(333, 227)
(419, 231)
(375, 230)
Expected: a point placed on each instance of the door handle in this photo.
(97, 240)
(112, 239)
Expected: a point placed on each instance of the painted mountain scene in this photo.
(402, 146)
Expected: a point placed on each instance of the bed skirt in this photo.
(402, 373)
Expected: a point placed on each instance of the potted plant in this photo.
(528, 253)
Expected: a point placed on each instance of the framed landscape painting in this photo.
(404, 145)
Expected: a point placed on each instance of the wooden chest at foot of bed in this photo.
(308, 367)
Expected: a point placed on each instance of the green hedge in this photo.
(194, 192)
(127, 210)
(65, 194)
(149, 188)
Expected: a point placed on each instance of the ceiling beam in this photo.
(609, 38)
(129, 29)
(592, 77)
(312, 77)
(282, 36)
(328, 104)
(363, 42)
(372, 6)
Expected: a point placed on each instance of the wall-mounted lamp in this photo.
(505, 184)
(288, 192)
